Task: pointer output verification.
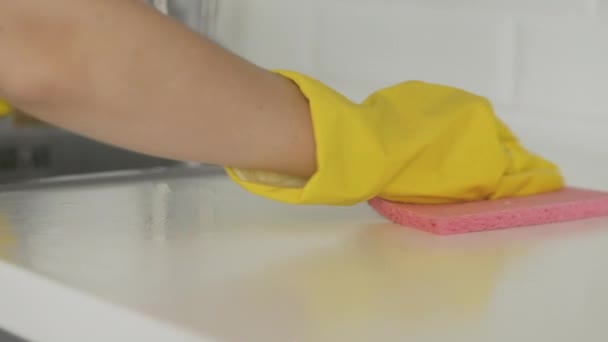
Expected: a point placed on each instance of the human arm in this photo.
(118, 72)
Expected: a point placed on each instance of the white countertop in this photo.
(198, 259)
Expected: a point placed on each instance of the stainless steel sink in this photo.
(45, 154)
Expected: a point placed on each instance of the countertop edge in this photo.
(38, 309)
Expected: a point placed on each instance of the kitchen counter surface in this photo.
(198, 259)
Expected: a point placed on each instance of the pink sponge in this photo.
(444, 219)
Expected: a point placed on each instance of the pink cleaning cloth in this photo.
(445, 219)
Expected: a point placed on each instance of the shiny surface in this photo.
(204, 256)
(34, 153)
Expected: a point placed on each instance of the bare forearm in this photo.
(118, 72)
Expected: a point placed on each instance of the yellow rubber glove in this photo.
(414, 142)
(5, 108)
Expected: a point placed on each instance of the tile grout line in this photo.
(592, 8)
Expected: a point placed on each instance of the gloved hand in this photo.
(413, 142)
(5, 108)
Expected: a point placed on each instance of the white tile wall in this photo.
(601, 7)
(273, 33)
(377, 53)
(521, 7)
(564, 63)
(544, 63)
